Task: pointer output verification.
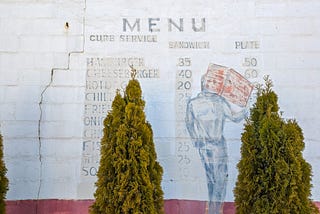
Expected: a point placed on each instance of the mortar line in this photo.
(53, 70)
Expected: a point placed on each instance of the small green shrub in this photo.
(273, 175)
(129, 176)
(3, 180)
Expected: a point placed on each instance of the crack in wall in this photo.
(53, 70)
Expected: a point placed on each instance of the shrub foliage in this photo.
(3, 180)
(273, 175)
(129, 176)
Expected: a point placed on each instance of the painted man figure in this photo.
(205, 119)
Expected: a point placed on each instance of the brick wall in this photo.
(43, 74)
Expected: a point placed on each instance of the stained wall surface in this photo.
(62, 61)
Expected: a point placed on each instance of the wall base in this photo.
(55, 206)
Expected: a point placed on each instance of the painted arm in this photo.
(235, 116)
(190, 121)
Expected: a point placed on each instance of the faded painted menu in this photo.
(171, 54)
(104, 76)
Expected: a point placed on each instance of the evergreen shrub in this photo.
(273, 175)
(129, 176)
(3, 180)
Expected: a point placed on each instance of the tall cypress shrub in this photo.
(3, 180)
(129, 176)
(273, 175)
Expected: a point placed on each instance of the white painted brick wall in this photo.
(34, 40)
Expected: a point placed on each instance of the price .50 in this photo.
(251, 71)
